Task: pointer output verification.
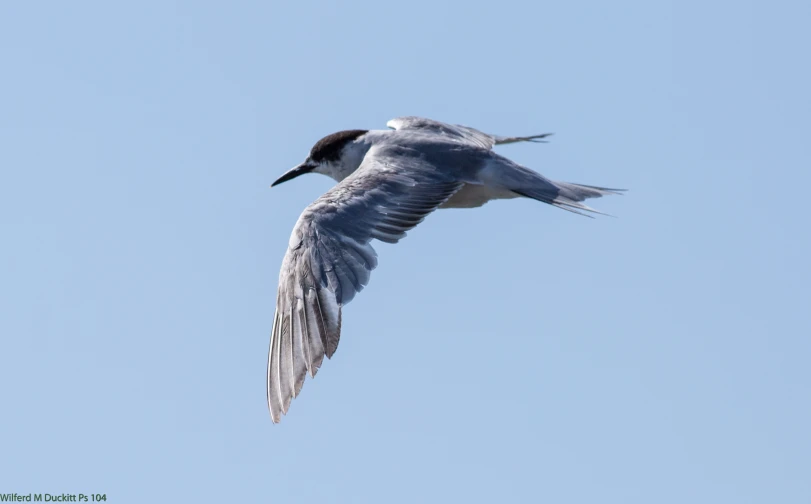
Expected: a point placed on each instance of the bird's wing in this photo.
(330, 259)
(459, 133)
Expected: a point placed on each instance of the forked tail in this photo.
(567, 196)
(503, 173)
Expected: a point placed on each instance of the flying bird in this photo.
(388, 181)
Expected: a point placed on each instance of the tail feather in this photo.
(503, 173)
(567, 196)
(603, 191)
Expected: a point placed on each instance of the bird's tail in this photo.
(568, 196)
(530, 184)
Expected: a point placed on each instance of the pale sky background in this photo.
(512, 353)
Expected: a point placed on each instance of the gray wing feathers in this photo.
(459, 133)
(454, 132)
(501, 140)
(330, 260)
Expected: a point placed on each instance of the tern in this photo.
(388, 182)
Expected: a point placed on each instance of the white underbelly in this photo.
(474, 195)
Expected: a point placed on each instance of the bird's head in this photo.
(336, 155)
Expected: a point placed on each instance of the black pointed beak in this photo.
(295, 172)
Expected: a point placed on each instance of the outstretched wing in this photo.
(459, 133)
(329, 259)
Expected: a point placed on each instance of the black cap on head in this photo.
(329, 147)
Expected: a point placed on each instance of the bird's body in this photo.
(388, 181)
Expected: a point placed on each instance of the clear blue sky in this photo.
(512, 353)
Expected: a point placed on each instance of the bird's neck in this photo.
(351, 158)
